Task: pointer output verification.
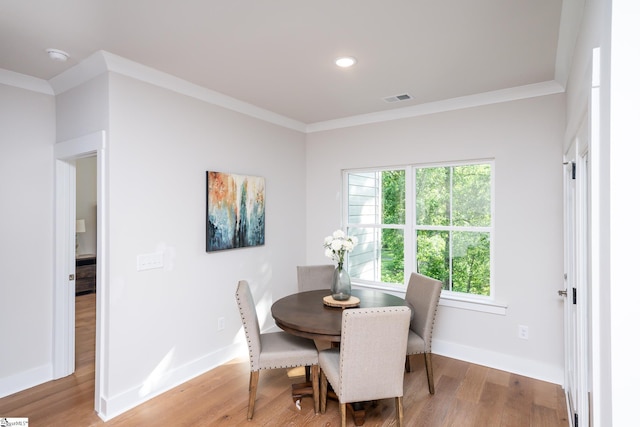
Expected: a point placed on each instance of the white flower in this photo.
(337, 245)
(338, 234)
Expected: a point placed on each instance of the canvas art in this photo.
(235, 211)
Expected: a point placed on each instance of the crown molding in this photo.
(486, 98)
(150, 75)
(22, 81)
(103, 61)
(89, 68)
(570, 20)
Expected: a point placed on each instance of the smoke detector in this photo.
(57, 55)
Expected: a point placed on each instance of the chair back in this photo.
(314, 277)
(372, 353)
(249, 317)
(423, 294)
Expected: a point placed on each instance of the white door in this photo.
(570, 318)
(577, 289)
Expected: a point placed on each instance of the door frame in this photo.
(583, 276)
(578, 328)
(65, 155)
(570, 316)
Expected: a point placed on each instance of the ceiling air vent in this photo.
(396, 98)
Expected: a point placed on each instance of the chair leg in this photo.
(429, 366)
(253, 388)
(323, 392)
(407, 364)
(314, 382)
(343, 414)
(399, 411)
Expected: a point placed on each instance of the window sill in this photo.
(491, 307)
(447, 299)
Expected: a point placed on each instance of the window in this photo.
(436, 220)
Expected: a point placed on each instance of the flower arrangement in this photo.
(337, 245)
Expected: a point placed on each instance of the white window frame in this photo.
(488, 304)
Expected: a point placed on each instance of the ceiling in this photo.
(279, 55)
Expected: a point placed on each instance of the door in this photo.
(570, 316)
(577, 289)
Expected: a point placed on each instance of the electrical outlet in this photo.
(220, 323)
(523, 332)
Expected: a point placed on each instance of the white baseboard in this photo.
(24, 380)
(504, 362)
(113, 406)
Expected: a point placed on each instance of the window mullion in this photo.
(379, 220)
(450, 284)
(410, 224)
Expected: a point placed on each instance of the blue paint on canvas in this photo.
(235, 211)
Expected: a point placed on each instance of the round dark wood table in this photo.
(305, 315)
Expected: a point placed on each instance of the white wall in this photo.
(83, 109)
(613, 26)
(27, 132)
(525, 139)
(162, 323)
(86, 203)
(594, 32)
(160, 326)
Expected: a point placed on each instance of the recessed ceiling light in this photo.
(58, 55)
(345, 62)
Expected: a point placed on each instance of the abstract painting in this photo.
(235, 211)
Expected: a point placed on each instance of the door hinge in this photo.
(72, 277)
(575, 295)
(573, 168)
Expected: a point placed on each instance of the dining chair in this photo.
(315, 277)
(423, 295)
(312, 278)
(369, 365)
(273, 350)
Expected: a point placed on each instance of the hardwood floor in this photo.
(466, 395)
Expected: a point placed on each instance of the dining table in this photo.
(306, 315)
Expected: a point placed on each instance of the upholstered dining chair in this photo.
(273, 350)
(423, 294)
(369, 365)
(314, 277)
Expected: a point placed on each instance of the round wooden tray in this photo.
(351, 302)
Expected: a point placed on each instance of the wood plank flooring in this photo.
(466, 395)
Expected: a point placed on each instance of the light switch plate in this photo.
(149, 261)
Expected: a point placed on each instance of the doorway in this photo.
(86, 263)
(67, 154)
